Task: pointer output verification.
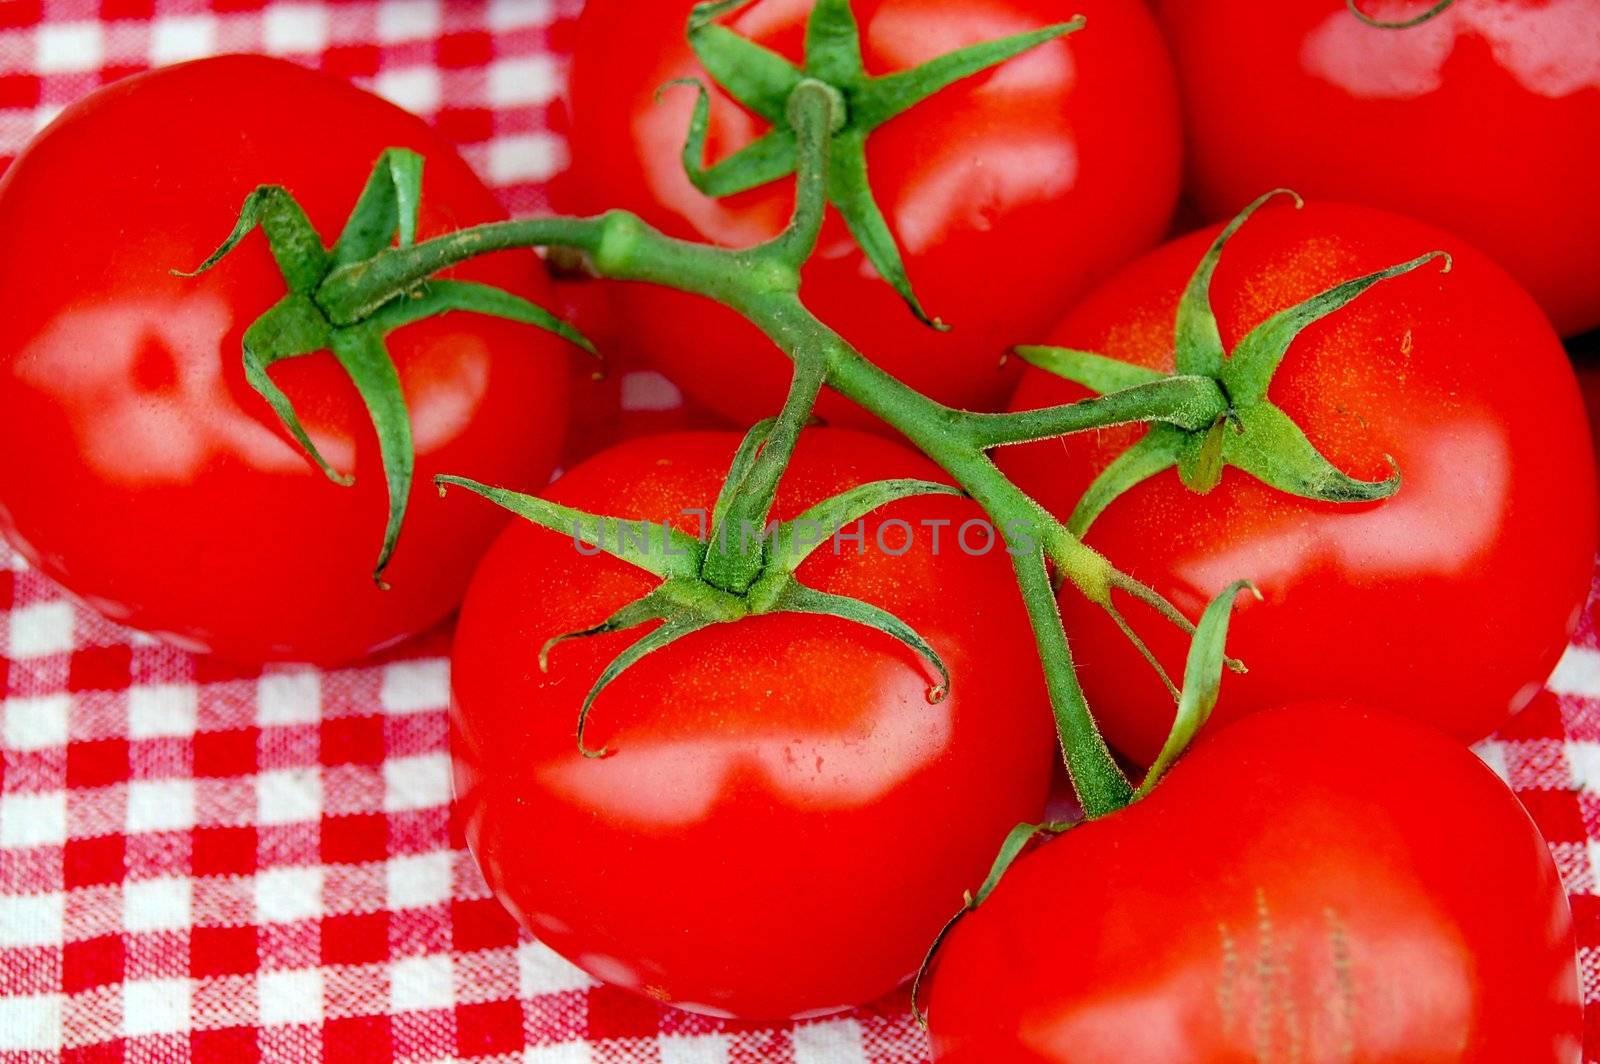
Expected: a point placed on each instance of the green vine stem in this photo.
(762, 284)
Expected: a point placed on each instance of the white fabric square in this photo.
(516, 14)
(160, 805)
(290, 997)
(289, 698)
(420, 880)
(695, 1049)
(36, 723)
(1577, 673)
(157, 904)
(284, 895)
(420, 983)
(566, 1053)
(421, 782)
(412, 686)
(287, 796)
(523, 81)
(827, 1042)
(294, 28)
(416, 89)
(33, 819)
(162, 710)
(31, 919)
(409, 20)
(68, 47)
(41, 629)
(176, 38)
(31, 1022)
(155, 1006)
(541, 970)
(525, 157)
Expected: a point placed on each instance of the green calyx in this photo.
(764, 81)
(1401, 24)
(686, 601)
(1248, 432)
(385, 215)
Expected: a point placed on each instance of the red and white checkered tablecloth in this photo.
(205, 862)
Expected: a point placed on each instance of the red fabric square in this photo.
(8, 579)
(466, 49)
(618, 1013)
(15, 13)
(97, 764)
(358, 1040)
(222, 951)
(92, 962)
(355, 839)
(100, 669)
(224, 852)
(352, 60)
(100, 1053)
(481, 923)
(465, 125)
(226, 753)
(18, 91)
(230, 1045)
(490, 1028)
(115, 9)
(93, 861)
(358, 939)
(1558, 814)
(352, 740)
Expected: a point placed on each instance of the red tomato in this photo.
(1450, 601)
(141, 471)
(784, 818)
(1005, 192)
(1471, 121)
(1320, 884)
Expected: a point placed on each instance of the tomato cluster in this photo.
(797, 752)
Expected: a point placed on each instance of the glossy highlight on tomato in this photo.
(783, 819)
(1450, 601)
(141, 471)
(1006, 192)
(1319, 883)
(1472, 121)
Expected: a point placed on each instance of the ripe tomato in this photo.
(1449, 601)
(1005, 192)
(784, 819)
(1469, 121)
(1321, 884)
(141, 471)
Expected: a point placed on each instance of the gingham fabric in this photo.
(205, 862)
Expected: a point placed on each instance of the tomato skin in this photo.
(1468, 122)
(1043, 174)
(1320, 883)
(784, 820)
(141, 471)
(1449, 602)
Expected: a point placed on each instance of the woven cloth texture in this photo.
(205, 862)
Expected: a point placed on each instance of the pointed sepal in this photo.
(1097, 373)
(1402, 24)
(655, 547)
(798, 538)
(295, 244)
(1266, 443)
(669, 632)
(365, 359)
(1197, 340)
(797, 598)
(1202, 681)
(389, 204)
